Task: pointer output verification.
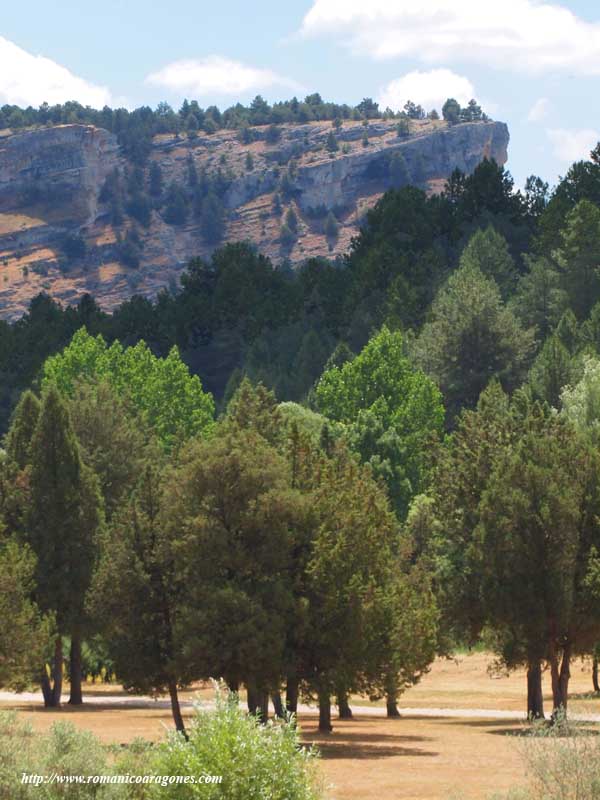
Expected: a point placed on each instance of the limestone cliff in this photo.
(51, 182)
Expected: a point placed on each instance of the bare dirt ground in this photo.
(424, 755)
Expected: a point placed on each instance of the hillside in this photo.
(76, 216)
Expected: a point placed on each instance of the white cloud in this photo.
(523, 35)
(539, 110)
(26, 79)
(216, 75)
(429, 89)
(573, 145)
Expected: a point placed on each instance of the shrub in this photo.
(255, 761)
(273, 134)
(287, 237)
(562, 763)
(331, 226)
(64, 750)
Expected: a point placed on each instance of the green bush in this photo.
(255, 761)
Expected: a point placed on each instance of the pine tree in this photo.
(578, 257)
(487, 250)
(471, 338)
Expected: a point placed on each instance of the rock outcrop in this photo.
(51, 180)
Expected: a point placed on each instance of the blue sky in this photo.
(533, 64)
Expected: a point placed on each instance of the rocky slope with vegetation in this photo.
(79, 214)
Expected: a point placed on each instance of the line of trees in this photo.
(135, 129)
(448, 373)
(248, 549)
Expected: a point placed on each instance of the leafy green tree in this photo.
(578, 257)
(472, 337)
(112, 438)
(487, 250)
(391, 410)
(64, 521)
(581, 402)
(161, 391)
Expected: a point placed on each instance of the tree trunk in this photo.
(560, 674)
(324, 712)
(278, 705)
(263, 707)
(176, 709)
(595, 675)
(535, 698)
(46, 688)
(392, 705)
(291, 695)
(565, 675)
(233, 686)
(391, 696)
(345, 712)
(57, 673)
(252, 698)
(76, 696)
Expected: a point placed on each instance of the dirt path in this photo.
(144, 701)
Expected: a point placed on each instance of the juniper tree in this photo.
(236, 517)
(24, 633)
(63, 524)
(538, 540)
(20, 434)
(139, 596)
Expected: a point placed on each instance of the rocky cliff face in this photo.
(63, 164)
(51, 181)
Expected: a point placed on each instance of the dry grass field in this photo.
(416, 756)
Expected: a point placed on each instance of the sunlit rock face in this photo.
(51, 180)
